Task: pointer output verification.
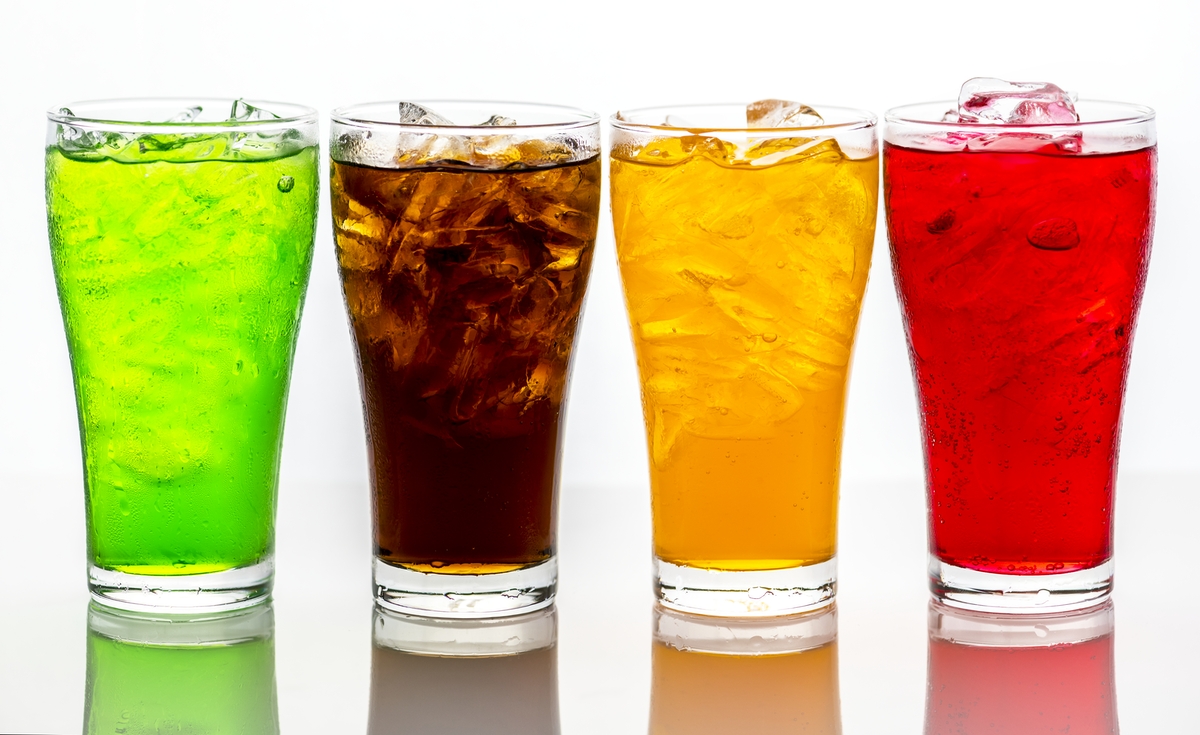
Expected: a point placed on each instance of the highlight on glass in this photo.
(181, 232)
(744, 237)
(464, 235)
(1020, 223)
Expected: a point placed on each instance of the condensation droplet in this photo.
(770, 337)
(286, 183)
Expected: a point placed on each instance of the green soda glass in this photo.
(181, 252)
(149, 675)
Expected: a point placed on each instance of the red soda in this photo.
(1020, 275)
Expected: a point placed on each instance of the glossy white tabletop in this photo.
(601, 664)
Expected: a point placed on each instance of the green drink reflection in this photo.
(154, 675)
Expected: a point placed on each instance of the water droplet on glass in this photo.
(437, 564)
(286, 183)
(1043, 596)
(1041, 631)
(779, 264)
(237, 368)
(1056, 233)
(770, 337)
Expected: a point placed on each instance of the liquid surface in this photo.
(743, 285)
(181, 286)
(464, 289)
(1020, 276)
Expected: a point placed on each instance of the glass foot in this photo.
(1019, 593)
(745, 594)
(432, 594)
(191, 593)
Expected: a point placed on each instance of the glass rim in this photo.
(578, 117)
(300, 113)
(865, 119)
(902, 114)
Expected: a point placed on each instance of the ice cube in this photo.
(498, 121)
(242, 111)
(187, 115)
(413, 114)
(781, 114)
(990, 100)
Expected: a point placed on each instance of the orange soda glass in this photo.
(744, 238)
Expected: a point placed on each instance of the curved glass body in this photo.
(181, 252)
(464, 252)
(1020, 255)
(744, 254)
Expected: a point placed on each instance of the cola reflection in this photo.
(169, 674)
(495, 676)
(1023, 675)
(714, 675)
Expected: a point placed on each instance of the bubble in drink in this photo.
(989, 100)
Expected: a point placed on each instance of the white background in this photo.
(601, 56)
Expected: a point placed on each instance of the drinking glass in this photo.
(744, 253)
(464, 249)
(181, 232)
(1020, 256)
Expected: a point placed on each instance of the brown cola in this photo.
(464, 287)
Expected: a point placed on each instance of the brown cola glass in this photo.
(464, 236)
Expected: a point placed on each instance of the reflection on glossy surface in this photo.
(1024, 675)
(497, 676)
(148, 675)
(719, 675)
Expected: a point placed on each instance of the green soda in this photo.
(181, 263)
(147, 677)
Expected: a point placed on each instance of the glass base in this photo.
(745, 594)
(189, 593)
(969, 589)
(432, 594)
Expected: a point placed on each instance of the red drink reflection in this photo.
(1020, 276)
(1024, 685)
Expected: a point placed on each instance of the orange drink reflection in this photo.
(716, 679)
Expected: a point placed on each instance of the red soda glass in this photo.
(1020, 256)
